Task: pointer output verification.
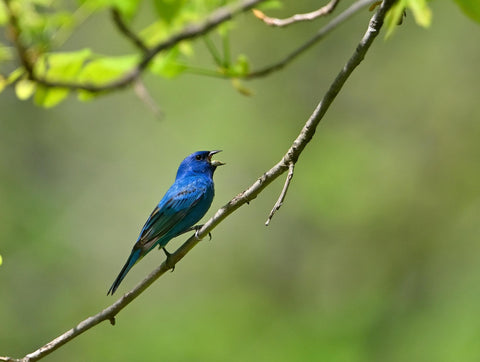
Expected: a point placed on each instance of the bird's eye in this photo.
(198, 157)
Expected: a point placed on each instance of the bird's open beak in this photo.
(214, 162)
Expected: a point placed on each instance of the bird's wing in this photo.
(173, 208)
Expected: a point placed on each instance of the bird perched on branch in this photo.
(183, 205)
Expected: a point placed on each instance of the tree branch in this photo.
(14, 34)
(342, 17)
(267, 70)
(281, 198)
(142, 93)
(291, 157)
(125, 30)
(324, 10)
(218, 17)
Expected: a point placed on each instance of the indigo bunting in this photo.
(183, 205)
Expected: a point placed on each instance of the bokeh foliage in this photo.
(38, 30)
(42, 27)
(373, 257)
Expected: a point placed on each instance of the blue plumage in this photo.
(184, 204)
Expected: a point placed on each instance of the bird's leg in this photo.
(196, 228)
(167, 262)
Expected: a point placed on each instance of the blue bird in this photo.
(184, 204)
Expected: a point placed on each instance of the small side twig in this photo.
(213, 51)
(324, 31)
(9, 359)
(324, 10)
(142, 93)
(281, 198)
(125, 30)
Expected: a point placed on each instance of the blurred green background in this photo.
(375, 255)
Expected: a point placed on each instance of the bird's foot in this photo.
(168, 261)
(197, 229)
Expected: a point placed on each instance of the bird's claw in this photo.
(196, 234)
(167, 262)
(197, 229)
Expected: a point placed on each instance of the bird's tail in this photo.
(132, 259)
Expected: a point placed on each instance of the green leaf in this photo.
(421, 13)
(62, 66)
(471, 8)
(24, 89)
(168, 10)
(13, 76)
(185, 48)
(104, 69)
(86, 96)
(241, 67)
(166, 65)
(154, 33)
(3, 83)
(239, 87)
(128, 8)
(3, 14)
(1, 260)
(49, 97)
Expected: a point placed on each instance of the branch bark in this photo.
(290, 158)
(281, 198)
(324, 10)
(127, 32)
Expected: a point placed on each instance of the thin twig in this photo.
(125, 30)
(281, 198)
(142, 93)
(342, 17)
(292, 155)
(213, 51)
(192, 31)
(324, 10)
(14, 32)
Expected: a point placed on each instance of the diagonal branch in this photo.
(324, 10)
(291, 157)
(192, 31)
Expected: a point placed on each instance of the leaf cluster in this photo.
(37, 30)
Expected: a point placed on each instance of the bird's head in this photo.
(199, 163)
